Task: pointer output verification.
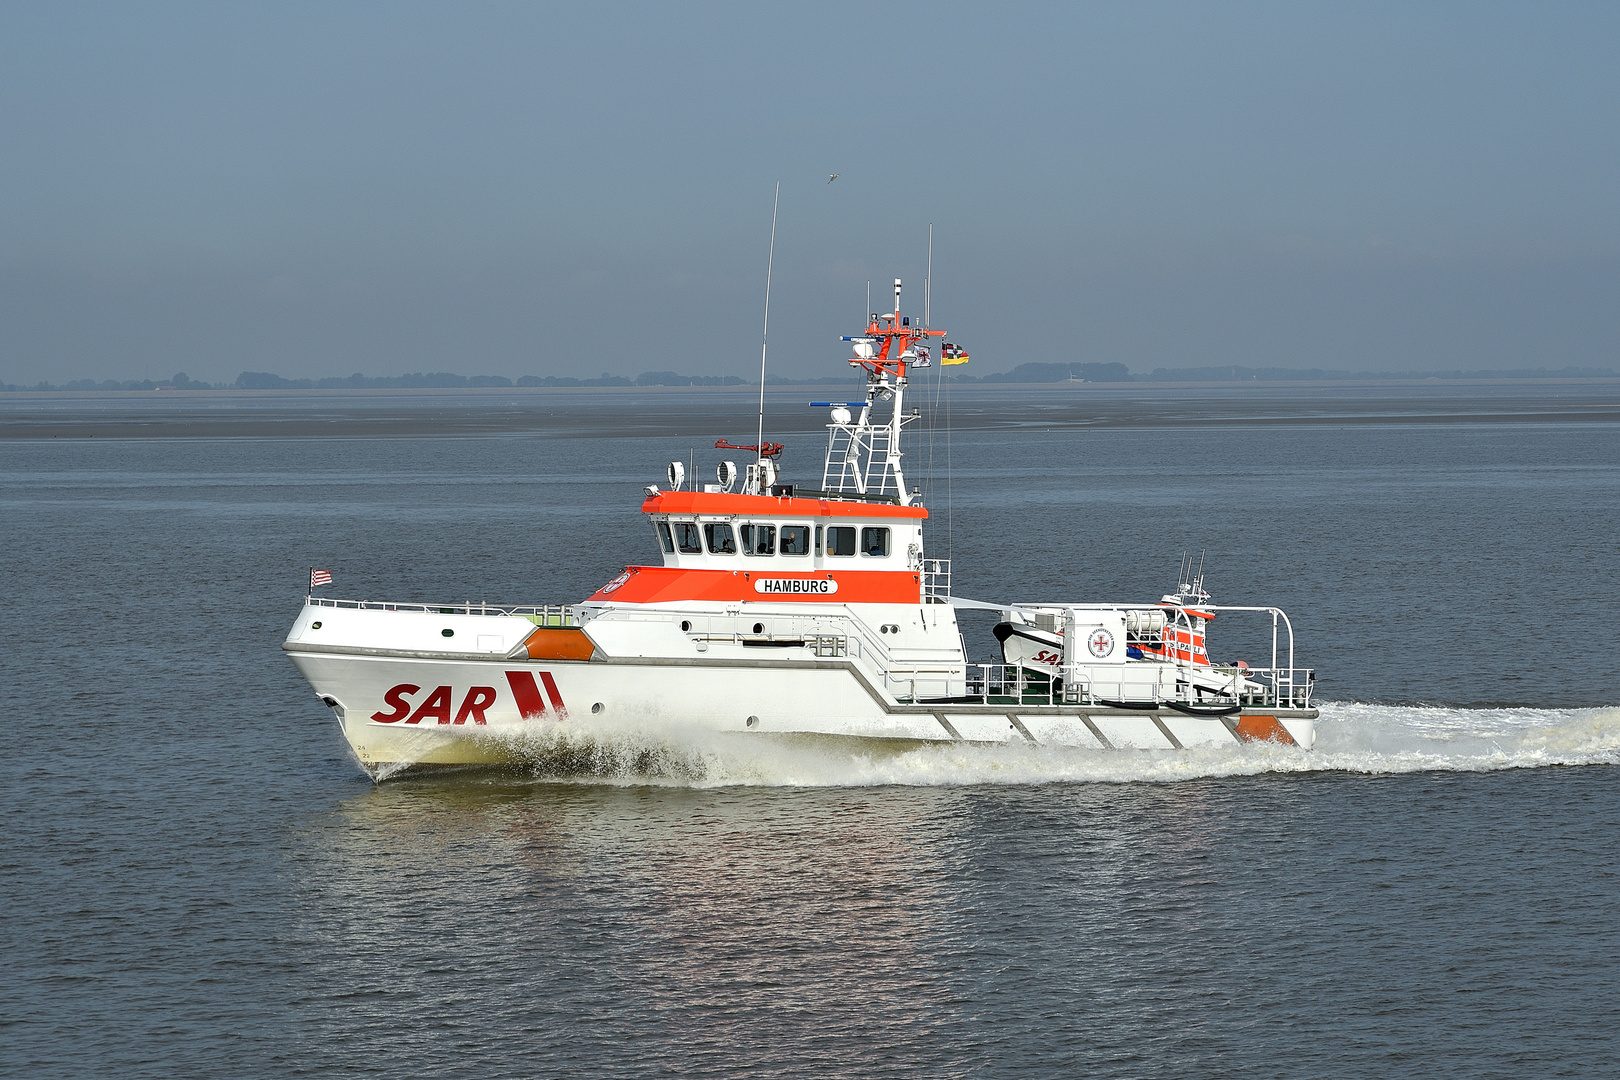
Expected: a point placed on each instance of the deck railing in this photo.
(828, 645)
(539, 614)
(1014, 684)
(936, 581)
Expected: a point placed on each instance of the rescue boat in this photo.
(780, 609)
(1031, 638)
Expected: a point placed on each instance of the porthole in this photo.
(315, 625)
(753, 721)
(686, 625)
(597, 707)
(447, 632)
(759, 628)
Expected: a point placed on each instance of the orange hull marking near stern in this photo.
(1263, 729)
(665, 584)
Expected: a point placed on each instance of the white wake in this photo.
(1356, 738)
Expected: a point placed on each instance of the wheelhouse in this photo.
(783, 534)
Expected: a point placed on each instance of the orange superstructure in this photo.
(782, 506)
(665, 584)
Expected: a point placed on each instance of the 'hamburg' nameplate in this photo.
(795, 586)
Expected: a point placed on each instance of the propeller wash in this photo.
(781, 609)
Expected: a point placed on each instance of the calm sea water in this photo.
(197, 881)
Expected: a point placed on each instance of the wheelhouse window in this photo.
(758, 539)
(875, 542)
(722, 541)
(665, 541)
(795, 540)
(687, 538)
(840, 540)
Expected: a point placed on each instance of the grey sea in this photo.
(197, 880)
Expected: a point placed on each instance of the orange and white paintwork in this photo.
(774, 610)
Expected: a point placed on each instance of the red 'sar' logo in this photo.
(437, 705)
(529, 702)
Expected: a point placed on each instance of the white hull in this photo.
(778, 611)
(764, 697)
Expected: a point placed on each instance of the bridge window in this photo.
(840, 540)
(795, 540)
(758, 539)
(686, 538)
(722, 541)
(875, 542)
(664, 540)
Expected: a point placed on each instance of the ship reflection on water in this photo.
(764, 919)
(777, 923)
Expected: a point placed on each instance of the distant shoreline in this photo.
(1031, 373)
(969, 389)
(699, 415)
(850, 386)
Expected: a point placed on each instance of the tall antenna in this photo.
(765, 335)
(928, 278)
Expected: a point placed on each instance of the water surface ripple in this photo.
(199, 882)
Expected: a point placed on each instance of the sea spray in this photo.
(1352, 737)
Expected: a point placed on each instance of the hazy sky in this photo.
(522, 189)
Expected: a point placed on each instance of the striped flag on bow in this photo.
(319, 577)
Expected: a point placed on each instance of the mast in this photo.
(863, 455)
(897, 413)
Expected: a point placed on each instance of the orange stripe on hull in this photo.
(666, 584)
(558, 644)
(1263, 729)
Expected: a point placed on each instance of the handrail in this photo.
(564, 614)
(1287, 688)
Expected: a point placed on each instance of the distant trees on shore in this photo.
(1033, 372)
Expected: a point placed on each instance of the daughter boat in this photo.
(781, 610)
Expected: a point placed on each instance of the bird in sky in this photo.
(831, 178)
